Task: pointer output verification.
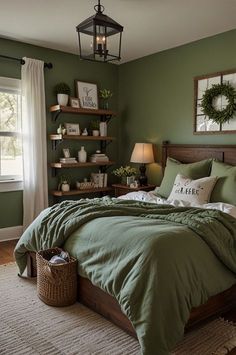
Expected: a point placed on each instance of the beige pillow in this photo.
(193, 191)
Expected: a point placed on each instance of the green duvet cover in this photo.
(157, 261)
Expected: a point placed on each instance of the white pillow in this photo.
(193, 191)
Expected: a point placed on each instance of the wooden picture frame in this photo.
(202, 124)
(66, 152)
(72, 129)
(87, 94)
(74, 102)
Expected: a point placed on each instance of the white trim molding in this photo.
(10, 233)
(6, 186)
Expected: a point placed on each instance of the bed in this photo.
(102, 302)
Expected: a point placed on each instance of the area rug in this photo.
(30, 327)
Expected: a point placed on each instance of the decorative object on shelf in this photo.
(85, 185)
(64, 183)
(70, 160)
(95, 128)
(66, 152)
(82, 155)
(226, 93)
(72, 129)
(142, 153)
(98, 157)
(62, 91)
(127, 174)
(103, 129)
(85, 132)
(99, 27)
(99, 179)
(105, 95)
(74, 102)
(61, 129)
(214, 103)
(87, 94)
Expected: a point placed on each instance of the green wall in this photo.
(156, 95)
(67, 68)
(155, 100)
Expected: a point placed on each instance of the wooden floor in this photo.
(6, 256)
(6, 251)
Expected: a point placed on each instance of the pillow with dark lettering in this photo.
(193, 191)
(173, 167)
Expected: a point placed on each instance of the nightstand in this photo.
(124, 189)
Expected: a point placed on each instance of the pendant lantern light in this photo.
(100, 37)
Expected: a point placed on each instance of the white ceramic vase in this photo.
(62, 99)
(103, 129)
(82, 155)
(65, 187)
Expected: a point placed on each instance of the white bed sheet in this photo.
(153, 198)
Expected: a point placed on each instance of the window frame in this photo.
(10, 182)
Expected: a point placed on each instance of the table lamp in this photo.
(142, 153)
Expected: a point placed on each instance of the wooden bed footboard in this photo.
(101, 302)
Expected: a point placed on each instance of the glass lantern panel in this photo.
(86, 45)
(113, 46)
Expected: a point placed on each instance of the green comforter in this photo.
(157, 261)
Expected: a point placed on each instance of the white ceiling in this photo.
(149, 25)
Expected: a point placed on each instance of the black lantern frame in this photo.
(99, 27)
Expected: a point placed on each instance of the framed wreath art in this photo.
(215, 103)
(209, 109)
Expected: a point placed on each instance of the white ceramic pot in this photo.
(62, 99)
(95, 132)
(103, 129)
(82, 155)
(65, 187)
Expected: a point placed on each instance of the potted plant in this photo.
(62, 91)
(64, 183)
(95, 128)
(127, 174)
(105, 95)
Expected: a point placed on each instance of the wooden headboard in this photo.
(190, 153)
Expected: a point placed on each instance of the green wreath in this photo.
(219, 116)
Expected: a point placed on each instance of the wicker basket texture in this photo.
(56, 283)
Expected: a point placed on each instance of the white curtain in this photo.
(35, 194)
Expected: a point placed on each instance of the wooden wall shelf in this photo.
(81, 192)
(58, 138)
(80, 165)
(55, 137)
(57, 109)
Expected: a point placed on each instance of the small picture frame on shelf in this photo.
(74, 102)
(87, 94)
(66, 152)
(72, 129)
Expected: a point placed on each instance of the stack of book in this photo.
(99, 179)
(68, 160)
(98, 157)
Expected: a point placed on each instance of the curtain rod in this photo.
(22, 61)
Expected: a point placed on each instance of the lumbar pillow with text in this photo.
(193, 191)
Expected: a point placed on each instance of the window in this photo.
(11, 166)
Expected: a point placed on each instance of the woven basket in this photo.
(56, 283)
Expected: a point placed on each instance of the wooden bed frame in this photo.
(106, 305)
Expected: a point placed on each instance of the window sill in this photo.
(9, 185)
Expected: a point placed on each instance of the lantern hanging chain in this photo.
(99, 8)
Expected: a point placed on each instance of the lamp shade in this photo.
(142, 153)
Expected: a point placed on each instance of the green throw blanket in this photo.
(157, 261)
